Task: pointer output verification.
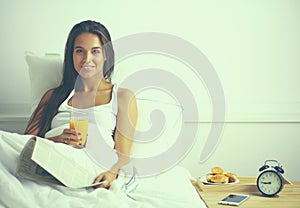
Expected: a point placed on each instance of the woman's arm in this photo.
(126, 123)
(33, 124)
(68, 136)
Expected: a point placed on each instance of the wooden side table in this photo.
(289, 197)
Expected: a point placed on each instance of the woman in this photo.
(88, 66)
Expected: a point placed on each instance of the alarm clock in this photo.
(270, 181)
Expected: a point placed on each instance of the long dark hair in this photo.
(43, 115)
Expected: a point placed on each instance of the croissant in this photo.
(217, 175)
(217, 170)
(232, 177)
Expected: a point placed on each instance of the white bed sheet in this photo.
(171, 189)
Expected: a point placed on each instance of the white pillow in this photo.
(159, 124)
(45, 72)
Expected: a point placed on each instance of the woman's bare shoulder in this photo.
(125, 96)
(124, 92)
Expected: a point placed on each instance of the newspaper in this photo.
(28, 169)
(42, 160)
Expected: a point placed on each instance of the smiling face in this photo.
(88, 56)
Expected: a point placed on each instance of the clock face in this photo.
(270, 182)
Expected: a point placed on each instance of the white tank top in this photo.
(102, 119)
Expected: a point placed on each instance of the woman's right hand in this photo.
(69, 137)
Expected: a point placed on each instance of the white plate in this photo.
(203, 180)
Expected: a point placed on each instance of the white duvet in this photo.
(171, 189)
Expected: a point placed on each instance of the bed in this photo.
(168, 187)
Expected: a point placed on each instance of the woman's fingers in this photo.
(71, 132)
(71, 137)
(102, 178)
(105, 184)
(107, 177)
(99, 178)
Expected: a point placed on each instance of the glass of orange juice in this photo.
(81, 126)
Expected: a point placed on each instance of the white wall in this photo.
(254, 47)
(245, 146)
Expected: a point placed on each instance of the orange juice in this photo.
(80, 125)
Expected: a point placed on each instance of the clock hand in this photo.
(266, 182)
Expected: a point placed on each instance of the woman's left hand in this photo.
(108, 177)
